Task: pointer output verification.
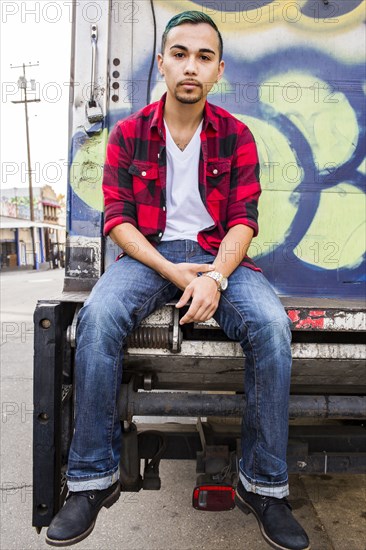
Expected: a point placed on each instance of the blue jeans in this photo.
(249, 312)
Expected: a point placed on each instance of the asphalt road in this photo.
(331, 508)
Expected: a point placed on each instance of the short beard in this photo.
(187, 99)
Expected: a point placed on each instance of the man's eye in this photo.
(205, 58)
(179, 54)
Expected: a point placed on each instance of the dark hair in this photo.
(193, 17)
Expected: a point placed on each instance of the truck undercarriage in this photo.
(182, 397)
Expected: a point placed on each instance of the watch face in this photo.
(224, 283)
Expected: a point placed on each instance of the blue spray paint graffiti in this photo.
(305, 104)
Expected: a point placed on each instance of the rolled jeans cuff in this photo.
(91, 483)
(265, 489)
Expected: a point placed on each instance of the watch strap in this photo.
(216, 276)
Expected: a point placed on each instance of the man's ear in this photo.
(221, 69)
(160, 61)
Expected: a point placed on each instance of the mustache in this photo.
(190, 82)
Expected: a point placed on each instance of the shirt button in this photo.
(215, 171)
(160, 234)
(164, 208)
(143, 173)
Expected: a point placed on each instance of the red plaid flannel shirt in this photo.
(134, 178)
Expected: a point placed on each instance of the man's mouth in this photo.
(190, 84)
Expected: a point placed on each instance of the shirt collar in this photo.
(208, 116)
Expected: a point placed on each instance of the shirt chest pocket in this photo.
(218, 180)
(145, 182)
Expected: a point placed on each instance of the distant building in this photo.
(15, 227)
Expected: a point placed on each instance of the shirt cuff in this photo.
(244, 221)
(110, 224)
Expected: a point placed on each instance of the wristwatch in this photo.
(222, 282)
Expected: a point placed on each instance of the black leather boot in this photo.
(76, 520)
(276, 522)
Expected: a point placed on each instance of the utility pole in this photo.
(22, 83)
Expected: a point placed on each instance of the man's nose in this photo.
(191, 66)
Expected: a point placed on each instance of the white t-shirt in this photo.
(186, 213)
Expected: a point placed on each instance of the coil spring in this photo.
(150, 337)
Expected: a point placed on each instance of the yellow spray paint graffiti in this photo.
(322, 114)
(346, 236)
(328, 123)
(87, 170)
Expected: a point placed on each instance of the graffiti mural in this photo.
(15, 205)
(295, 74)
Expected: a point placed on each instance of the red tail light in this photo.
(213, 498)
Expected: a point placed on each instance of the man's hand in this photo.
(184, 273)
(205, 299)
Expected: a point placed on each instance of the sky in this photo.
(31, 32)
